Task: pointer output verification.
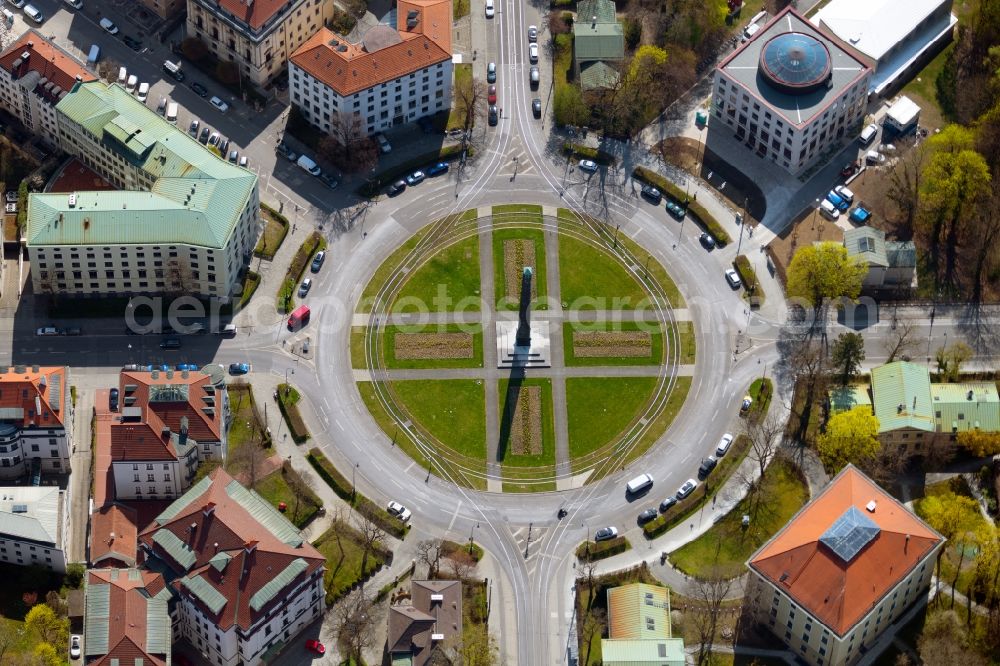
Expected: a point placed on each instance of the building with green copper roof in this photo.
(598, 39)
(182, 220)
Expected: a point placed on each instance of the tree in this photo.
(477, 646)
(558, 25)
(470, 98)
(945, 641)
(978, 443)
(850, 437)
(355, 624)
(568, 106)
(107, 69)
(847, 353)
(461, 564)
(49, 627)
(709, 593)
(348, 145)
(303, 491)
(764, 436)
(228, 72)
(592, 625)
(901, 338)
(45, 655)
(950, 359)
(824, 271)
(429, 553)
(247, 460)
(904, 183)
(986, 575)
(949, 514)
(372, 538)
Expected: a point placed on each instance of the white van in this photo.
(122, 76)
(34, 13)
(750, 31)
(868, 134)
(828, 210)
(132, 82)
(172, 113)
(306, 164)
(143, 92)
(639, 484)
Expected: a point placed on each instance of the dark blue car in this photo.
(438, 169)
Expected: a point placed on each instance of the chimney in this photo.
(216, 545)
(165, 432)
(184, 432)
(208, 510)
(914, 403)
(906, 544)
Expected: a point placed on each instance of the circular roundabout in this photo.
(523, 350)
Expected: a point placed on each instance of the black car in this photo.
(329, 180)
(113, 400)
(132, 43)
(536, 107)
(205, 133)
(397, 188)
(286, 152)
(223, 145)
(707, 465)
(493, 115)
(652, 194)
(667, 503)
(647, 515)
(317, 262)
(199, 89)
(707, 241)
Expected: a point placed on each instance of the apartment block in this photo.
(35, 424)
(34, 524)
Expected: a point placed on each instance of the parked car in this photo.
(161, 106)
(193, 127)
(286, 152)
(383, 144)
(239, 368)
(589, 166)
(675, 210)
(398, 510)
(10, 196)
(132, 43)
(536, 107)
(686, 489)
(199, 89)
(47, 331)
(532, 33)
(490, 9)
(415, 178)
(397, 188)
(16, 4)
(606, 533)
(219, 104)
(305, 287)
(317, 262)
(113, 400)
(491, 94)
(491, 73)
(533, 77)
(707, 240)
(849, 170)
(214, 139)
(244, 162)
(329, 180)
(314, 645)
(724, 443)
(845, 193)
(707, 465)
(74, 647)
(234, 156)
(186, 366)
(874, 158)
(647, 515)
(651, 194)
(733, 278)
(109, 26)
(838, 201)
(437, 169)
(223, 146)
(493, 115)
(667, 503)
(745, 405)
(860, 214)
(533, 53)
(205, 133)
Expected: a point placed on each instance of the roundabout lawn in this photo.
(449, 277)
(727, 545)
(387, 268)
(537, 238)
(686, 346)
(518, 213)
(601, 408)
(522, 465)
(451, 411)
(590, 278)
(655, 356)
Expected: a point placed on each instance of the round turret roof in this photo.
(795, 63)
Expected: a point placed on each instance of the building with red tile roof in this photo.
(392, 76)
(258, 35)
(35, 428)
(430, 621)
(126, 618)
(234, 561)
(113, 535)
(842, 570)
(34, 75)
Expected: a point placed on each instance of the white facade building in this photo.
(790, 93)
(393, 76)
(34, 524)
(34, 75)
(35, 424)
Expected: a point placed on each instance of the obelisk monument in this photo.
(523, 338)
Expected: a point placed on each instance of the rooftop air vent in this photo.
(72, 201)
(437, 597)
(343, 49)
(871, 506)
(25, 56)
(968, 396)
(437, 637)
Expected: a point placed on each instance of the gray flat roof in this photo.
(744, 64)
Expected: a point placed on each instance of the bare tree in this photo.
(591, 626)
(355, 624)
(429, 553)
(107, 69)
(461, 564)
(348, 146)
(372, 538)
(303, 491)
(904, 184)
(247, 460)
(708, 593)
(764, 436)
(900, 339)
(469, 100)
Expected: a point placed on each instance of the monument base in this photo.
(512, 355)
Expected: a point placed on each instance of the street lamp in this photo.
(353, 487)
(815, 213)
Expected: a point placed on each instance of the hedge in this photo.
(310, 246)
(695, 210)
(392, 174)
(590, 551)
(703, 493)
(287, 399)
(749, 277)
(562, 3)
(343, 489)
(285, 225)
(588, 153)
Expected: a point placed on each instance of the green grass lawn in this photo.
(589, 278)
(656, 348)
(727, 544)
(244, 430)
(761, 391)
(600, 408)
(685, 329)
(517, 213)
(272, 236)
(285, 485)
(358, 347)
(463, 79)
(452, 411)
(653, 268)
(539, 277)
(388, 425)
(543, 463)
(387, 268)
(343, 559)
(449, 278)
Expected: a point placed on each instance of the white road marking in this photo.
(339, 427)
(454, 515)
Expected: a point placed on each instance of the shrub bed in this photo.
(587, 153)
(310, 246)
(695, 210)
(703, 493)
(367, 508)
(749, 277)
(590, 551)
(250, 284)
(449, 547)
(287, 402)
(392, 174)
(276, 239)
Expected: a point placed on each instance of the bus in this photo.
(298, 318)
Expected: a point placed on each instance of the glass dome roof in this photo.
(795, 63)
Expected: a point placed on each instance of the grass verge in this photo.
(686, 343)
(285, 486)
(580, 151)
(590, 551)
(753, 292)
(346, 563)
(463, 82)
(288, 399)
(310, 246)
(275, 229)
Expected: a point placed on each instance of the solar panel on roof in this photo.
(849, 534)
